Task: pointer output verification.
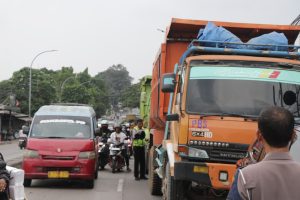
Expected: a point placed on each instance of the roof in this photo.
(9, 108)
(64, 110)
(188, 29)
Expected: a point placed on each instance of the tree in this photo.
(116, 80)
(5, 89)
(48, 86)
(42, 88)
(131, 96)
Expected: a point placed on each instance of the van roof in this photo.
(83, 111)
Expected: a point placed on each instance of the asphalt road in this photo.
(118, 186)
(11, 152)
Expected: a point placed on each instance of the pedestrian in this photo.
(138, 135)
(277, 176)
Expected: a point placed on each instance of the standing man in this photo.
(277, 176)
(138, 135)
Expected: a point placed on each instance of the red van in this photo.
(61, 144)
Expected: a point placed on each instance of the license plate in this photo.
(58, 174)
(200, 169)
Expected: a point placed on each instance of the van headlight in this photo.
(87, 155)
(197, 153)
(30, 154)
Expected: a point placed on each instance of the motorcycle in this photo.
(22, 140)
(129, 148)
(116, 160)
(103, 156)
(22, 143)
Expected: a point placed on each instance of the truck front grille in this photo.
(221, 151)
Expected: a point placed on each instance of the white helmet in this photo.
(105, 122)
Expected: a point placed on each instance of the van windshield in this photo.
(61, 127)
(241, 91)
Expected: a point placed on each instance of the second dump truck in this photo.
(205, 100)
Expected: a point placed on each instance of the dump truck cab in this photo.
(216, 95)
(215, 106)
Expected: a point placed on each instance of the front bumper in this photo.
(77, 169)
(207, 174)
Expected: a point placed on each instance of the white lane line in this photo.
(120, 185)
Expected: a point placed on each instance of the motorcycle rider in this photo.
(118, 138)
(104, 131)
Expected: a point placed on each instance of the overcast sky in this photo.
(97, 33)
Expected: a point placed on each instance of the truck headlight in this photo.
(87, 155)
(31, 154)
(197, 153)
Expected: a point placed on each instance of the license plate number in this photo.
(58, 174)
(200, 169)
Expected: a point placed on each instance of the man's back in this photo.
(276, 177)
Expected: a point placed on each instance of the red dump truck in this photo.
(205, 100)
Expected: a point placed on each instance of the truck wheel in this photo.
(90, 184)
(172, 189)
(27, 182)
(154, 180)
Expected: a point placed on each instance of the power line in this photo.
(296, 21)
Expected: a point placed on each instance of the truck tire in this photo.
(172, 189)
(154, 181)
(27, 182)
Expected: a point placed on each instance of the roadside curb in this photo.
(8, 142)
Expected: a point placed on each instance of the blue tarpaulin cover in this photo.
(214, 33)
(211, 32)
(271, 39)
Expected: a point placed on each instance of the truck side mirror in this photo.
(25, 129)
(168, 83)
(172, 117)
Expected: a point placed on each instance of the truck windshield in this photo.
(241, 91)
(61, 127)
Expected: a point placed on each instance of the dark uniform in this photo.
(139, 152)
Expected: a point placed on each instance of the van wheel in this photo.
(90, 184)
(27, 182)
(96, 173)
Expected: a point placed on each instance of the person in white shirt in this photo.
(118, 138)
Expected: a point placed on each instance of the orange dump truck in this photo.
(205, 100)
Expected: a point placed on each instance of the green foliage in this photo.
(48, 86)
(42, 89)
(5, 90)
(116, 80)
(131, 96)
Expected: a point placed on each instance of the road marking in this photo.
(120, 185)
